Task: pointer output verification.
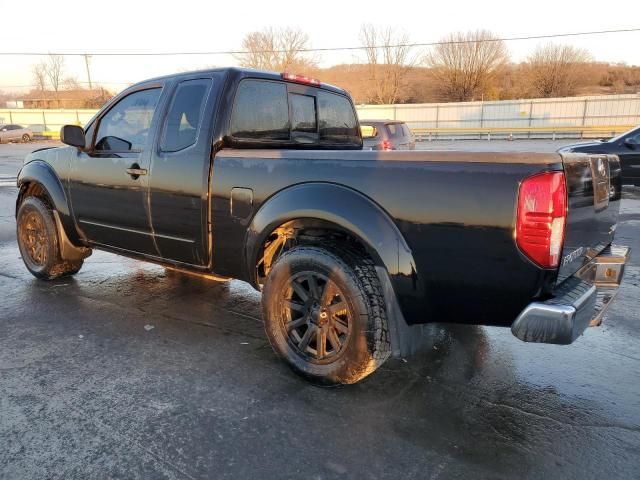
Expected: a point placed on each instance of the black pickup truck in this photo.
(262, 177)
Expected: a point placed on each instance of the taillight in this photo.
(292, 77)
(541, 217)
(386, 145)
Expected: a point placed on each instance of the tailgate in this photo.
(594, 190)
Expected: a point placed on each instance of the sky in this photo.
(192, 25)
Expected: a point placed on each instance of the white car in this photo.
(15, 133)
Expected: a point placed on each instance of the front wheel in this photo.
(325, 314)
(38, 242)
(26, 138)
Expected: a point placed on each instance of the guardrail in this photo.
(430, 134)
(50, 134)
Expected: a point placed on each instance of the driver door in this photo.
(109, 183)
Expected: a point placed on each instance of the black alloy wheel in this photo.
(317, 317)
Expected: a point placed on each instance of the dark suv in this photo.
(386, 135)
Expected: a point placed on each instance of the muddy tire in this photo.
(38, 241)
(325, 315)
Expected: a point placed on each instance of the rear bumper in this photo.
(579, 302)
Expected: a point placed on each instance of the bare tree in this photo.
(39, 72)
(555, 70)
(465, 64)
(72, 83)
(55, 71)
(388, 60)
(276, 49)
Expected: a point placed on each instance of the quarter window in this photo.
(126, 125)
(183, 119)
(260, 111)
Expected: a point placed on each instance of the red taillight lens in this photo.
(386, 145)
(541, 218)
(292, 77)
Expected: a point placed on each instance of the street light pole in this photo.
(86, 62)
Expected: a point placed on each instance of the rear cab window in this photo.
(289, 115)
(260, 111)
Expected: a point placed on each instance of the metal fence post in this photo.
(482, 117)
(584, 117)
(10, 117)
(437, 118)
(44, 121)
(530, 118)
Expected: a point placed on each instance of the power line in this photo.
(82, 83)
(326, 49)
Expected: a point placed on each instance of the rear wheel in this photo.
(38, 241)
(325, 314)
(26, 138)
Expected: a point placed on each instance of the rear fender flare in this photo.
(351, 211)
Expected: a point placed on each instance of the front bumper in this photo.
(579, 302)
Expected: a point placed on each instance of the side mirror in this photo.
(72, 135)
(631, 143)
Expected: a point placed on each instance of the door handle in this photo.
(135, 171)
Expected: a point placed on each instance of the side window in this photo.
(126, 125)
(336, 119)
(303, 113)
(260, 111)
(405, 130)
(185, 113)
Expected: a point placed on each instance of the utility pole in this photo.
(86, 62)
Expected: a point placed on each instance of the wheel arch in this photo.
(346, 209)
(39, 178)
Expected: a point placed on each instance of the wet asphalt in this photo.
(129, 370)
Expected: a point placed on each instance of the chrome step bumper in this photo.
(579, 302)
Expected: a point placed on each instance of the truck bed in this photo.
(456, 211)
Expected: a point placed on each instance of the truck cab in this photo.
(141, 182)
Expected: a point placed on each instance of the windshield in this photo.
(619, 137)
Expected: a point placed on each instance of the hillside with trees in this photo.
(389, 68)
(462, 66)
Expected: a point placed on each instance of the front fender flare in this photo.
(43, 174)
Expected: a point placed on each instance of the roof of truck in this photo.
(240, 73)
